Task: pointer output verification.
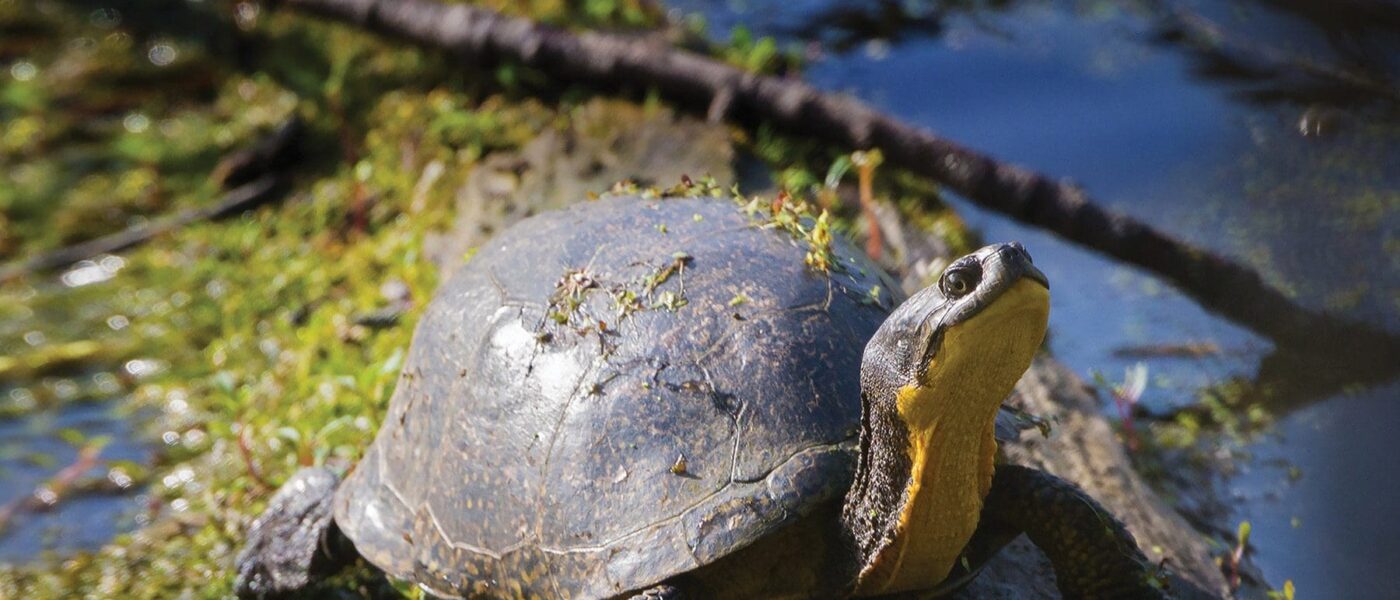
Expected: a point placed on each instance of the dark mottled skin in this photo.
(526, 458)
(290, 540)
(1095, 557)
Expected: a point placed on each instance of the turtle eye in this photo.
(959, 281)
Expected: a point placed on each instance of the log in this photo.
(1221, 285)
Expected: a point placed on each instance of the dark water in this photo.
(1297, 175)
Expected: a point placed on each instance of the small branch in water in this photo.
(53, 491)
(1182, 350)
(241, 198)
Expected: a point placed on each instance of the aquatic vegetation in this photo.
(806, 169)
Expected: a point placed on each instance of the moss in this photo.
(244, 338)
(807, 169)
(252, 321)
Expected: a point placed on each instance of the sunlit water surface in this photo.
(34, 448)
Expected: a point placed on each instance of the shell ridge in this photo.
(427, 507)
(653, 525)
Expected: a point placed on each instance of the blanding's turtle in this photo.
(666, 398)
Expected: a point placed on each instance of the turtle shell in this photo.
(613, 394)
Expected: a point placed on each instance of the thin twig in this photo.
(246, 452)
(243, 197)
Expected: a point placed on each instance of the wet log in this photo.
(1228, 288)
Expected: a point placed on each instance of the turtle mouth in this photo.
(993, 347)
(990, 326)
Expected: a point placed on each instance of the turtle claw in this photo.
(294, 541)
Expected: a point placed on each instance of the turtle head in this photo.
(980, 323)
(932, 379)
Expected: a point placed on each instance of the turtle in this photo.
(665, 398)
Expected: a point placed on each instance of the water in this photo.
(74, 454)
(79, 333)
(1297, 178)
(33, 448)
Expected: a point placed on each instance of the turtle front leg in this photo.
(660, 592)
(295, 541)
(1094, 556)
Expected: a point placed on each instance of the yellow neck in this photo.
(952, 464)
(951, 416)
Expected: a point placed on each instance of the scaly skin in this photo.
(295, 542)
(1093, 554)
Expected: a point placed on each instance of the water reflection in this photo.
(88, 272)
(1339, 54)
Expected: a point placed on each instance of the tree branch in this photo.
(1219, 284)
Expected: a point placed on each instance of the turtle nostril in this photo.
(1019, 249)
